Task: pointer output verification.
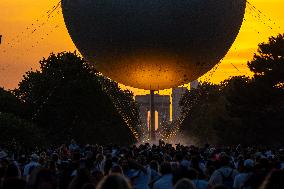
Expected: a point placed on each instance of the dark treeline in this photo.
(66, 99)
(242, 110)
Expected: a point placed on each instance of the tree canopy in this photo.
(267, 63)
(67, 99)
(14, 129)
(241, 110)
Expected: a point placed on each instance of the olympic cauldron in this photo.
(153, 44)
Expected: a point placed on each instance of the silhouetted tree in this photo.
(9, 103)
(14, 126)
(15, 130)
(67, 100)
(268, 63)
(204, 111)
(240, 109)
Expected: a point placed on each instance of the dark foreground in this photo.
(162, 166)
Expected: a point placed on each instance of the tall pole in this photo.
(152, 116)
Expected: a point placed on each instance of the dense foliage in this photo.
(241, 110)
(67, 99)
(14, 128)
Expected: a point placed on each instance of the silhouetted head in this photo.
(225, 160)
(166, 168)
(179, 157)
(154, 165)
(42, 178)
(184, 184)
(34, 158)
(83, 177)
(193, 174)
(114, 181)
(275, 180)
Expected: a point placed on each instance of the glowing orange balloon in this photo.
(153, 44)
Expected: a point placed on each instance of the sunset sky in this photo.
(28, 36)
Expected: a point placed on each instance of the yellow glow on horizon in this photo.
(22, 47)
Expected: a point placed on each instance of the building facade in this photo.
(162, 106)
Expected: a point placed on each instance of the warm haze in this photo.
(28, 36)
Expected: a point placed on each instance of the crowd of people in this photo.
(145, 166)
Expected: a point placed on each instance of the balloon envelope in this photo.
(153, 44)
